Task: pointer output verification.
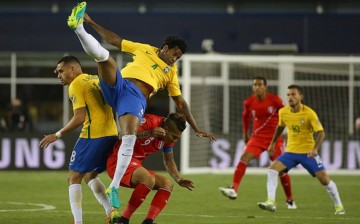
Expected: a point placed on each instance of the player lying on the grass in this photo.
(301, 122)
(98, 135)
(155, 133)
(263, 108)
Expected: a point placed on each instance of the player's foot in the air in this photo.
(114, 217)
(268, 205)
(113, 194)
(290, 204)
(339, 210)
(228, 192)
(77, 15)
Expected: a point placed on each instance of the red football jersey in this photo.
(264, 114)
(147, 146)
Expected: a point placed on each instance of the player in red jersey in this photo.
(263, 108)
(155, 133)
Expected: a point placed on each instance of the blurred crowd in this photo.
(16, 117)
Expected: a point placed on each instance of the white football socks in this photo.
(91, 46)
(272, 182)
(124, 157)
(333, 192)
(98, 188)
(75, 197)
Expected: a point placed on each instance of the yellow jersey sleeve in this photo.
(301, 127)
(315, 122)
(149, 68)
(76, 95)
(84, 91)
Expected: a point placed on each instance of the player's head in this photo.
(172, 49)
(175, 124)
(67, 69)
(259, 86)
(295, 95)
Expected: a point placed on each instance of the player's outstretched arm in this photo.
(109, 36)
(184, 109)
(76, 121)
(172, 169)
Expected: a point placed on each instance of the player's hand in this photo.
(183, 182)
(246, 138)
(87, 18)
(47, 140)
(271, 150)
(312, 153)
(158, 132)
(202, 134)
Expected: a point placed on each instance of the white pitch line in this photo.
(43, 207)
(233, 216)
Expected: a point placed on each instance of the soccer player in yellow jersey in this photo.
(128, 91)
(302, 122)
(96, 140)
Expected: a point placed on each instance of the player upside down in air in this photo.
(128, 91)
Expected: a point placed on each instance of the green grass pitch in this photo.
(24, 194)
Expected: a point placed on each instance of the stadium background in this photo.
(35, 36)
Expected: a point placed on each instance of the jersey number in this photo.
(72, 158)
(295, 128)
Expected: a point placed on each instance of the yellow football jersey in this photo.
(84, 91)
(301, 127)
(149, 68)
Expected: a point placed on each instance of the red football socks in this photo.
(137, 198)
(238, 175)
(158, 203)
(285, 182)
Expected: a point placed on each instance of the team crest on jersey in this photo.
(270, 109)
(166, 69)
(302, 121)
(73, 98)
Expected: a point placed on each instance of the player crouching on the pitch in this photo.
(155, 133)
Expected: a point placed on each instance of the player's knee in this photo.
(75, 178)
(167, 184)
(246, 157)
(323, 178)
(324, 181)
(149, 180)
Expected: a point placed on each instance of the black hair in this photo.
(299, 88)
(260, 78)
(173, 41)
(69, 59)
(178, 119)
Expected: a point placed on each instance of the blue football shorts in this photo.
(91, 154)
(124, 97)
(312, 165)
